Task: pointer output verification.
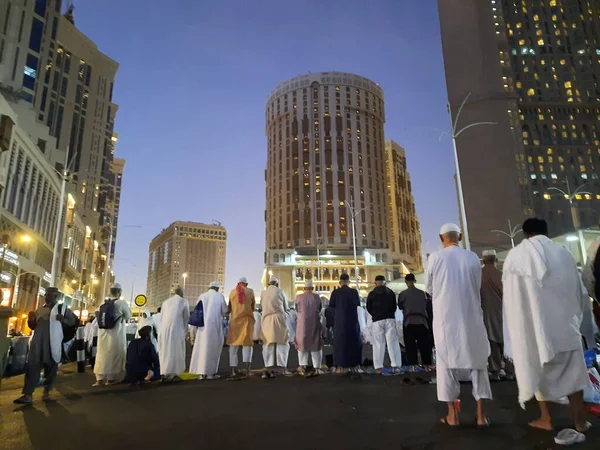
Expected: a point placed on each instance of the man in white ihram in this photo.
(544, 302)
(209, 339)
(173, 331)
(112, 340)
(462, 347)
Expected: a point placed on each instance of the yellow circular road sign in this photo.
(140, 300)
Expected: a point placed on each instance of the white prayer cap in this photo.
(449, 228)
(116, 286)
(308, 284)
(488, 253)
(273, 280)
(214, 284)
(243, 280)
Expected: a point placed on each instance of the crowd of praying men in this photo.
(537, 311)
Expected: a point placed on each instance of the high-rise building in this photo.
(113, 201)
(532, 68)
(325, 159)
(405, 228)
(186, 254)
(61, 86)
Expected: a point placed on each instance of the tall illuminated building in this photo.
(405, 228)
(186, 254)
(532, 67)
(325, 152)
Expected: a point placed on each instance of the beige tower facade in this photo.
(325, 154)
(186, 254)
(405, 228)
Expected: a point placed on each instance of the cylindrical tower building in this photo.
(326, 151)
(325, 147)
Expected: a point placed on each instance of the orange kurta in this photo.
(241, 319)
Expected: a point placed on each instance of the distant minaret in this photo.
(69, 14)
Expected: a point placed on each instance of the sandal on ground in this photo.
(444, 420)
(569, 437)
(485, 424)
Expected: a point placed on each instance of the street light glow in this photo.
(26, 238)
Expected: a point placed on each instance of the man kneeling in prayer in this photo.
(142, 359)
(544, 301)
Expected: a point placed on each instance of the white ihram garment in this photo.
(175, 315)
(454, 281)
(112, 346)
(544, 300)
(384, 332)
(209, 339)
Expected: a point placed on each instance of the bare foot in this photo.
(542, 424)
(451, 422)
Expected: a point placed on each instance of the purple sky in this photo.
(193, 80)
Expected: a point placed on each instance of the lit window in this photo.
(531, 92)
(567, 84)
(547, 196)
(533, 176)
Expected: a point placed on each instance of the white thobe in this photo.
(257, 326)
(291, 321)
(454, 281)
(173, 330)
(112, 346)
(544, 300)
(209, 340)
(157, 319)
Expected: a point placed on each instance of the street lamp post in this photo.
(353, 213)
(574, 216)
(461, 199)
(512, 232)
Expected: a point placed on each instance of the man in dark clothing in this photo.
(46, 345)
(142, 359)
(413, 302)
(347, 341)
(381, 304)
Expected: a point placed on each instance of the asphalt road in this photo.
(330, 411)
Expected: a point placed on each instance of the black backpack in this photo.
(107, 317)
(68, 330)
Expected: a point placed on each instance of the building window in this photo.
(30, 72)
(40, 7)
(35, 38)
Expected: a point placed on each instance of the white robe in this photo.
(291, 321)
(544, 300)
(257, 326)
(366, 325)
(454, 281)
(173, 331)
(157, 319)
(91, 331)
(112, 344)
(209, 340)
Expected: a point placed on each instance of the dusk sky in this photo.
(193, 80)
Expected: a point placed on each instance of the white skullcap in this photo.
(214, 284)
(308, 284)
(488, 253)
(273, 280)
(116, 286)
(449, 228)
(243, 280)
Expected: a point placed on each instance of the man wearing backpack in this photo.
(113, 316)
(45, 350)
